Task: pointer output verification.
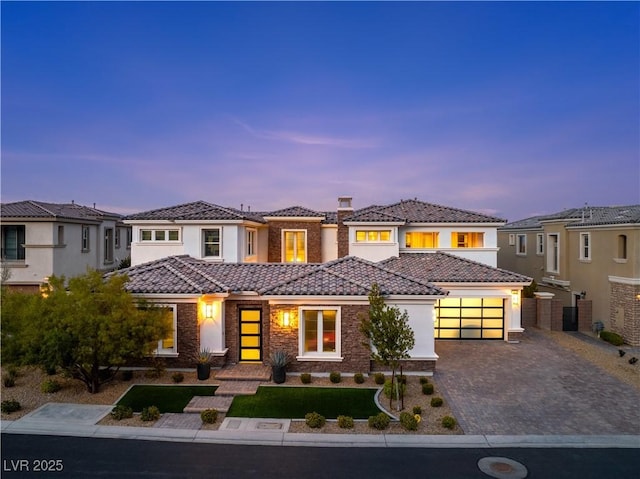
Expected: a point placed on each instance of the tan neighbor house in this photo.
(583, 253)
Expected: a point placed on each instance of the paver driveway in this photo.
(534, 387)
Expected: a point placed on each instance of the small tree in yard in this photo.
(388, 335)
(89, 329)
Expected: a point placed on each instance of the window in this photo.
(421, 240)
(117, 240)
(320, 332)
(168, 346)
(512, 239)
(373, 236)
(129, 237)
(585, 246)
(60, 235)
(521, 245)
(469, 318)
(467, 240)
(108, 245)
(553, 253)
(622, 246)
(160, 235)
(539, 244)
(85, 238)
(251, 242)
(13, 239)
(211, 243)
(295, 246)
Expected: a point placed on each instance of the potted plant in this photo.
(279, 360)
(203, 365)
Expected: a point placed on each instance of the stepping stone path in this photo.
(223, 396)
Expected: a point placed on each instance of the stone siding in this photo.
(625, 312)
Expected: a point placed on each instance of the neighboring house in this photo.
(300, 235)
(591, 252)
(44, 239)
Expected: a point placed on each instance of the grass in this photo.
(165, 398)
(294, 402)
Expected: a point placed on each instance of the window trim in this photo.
(585, 246)
(284, 246)
(521, 244)
(250, 241)
(320, 355)
(204, 244)
(173, 352)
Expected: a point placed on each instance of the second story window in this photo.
(553, 253)
(60, 235)
(521, 245)
(86, 235)
(251, 242)
(585, 246)
(373, 236)
(108, 245)
(13, 239)
(160, 235)
(211, 243)
(622, 246)
(294, 246)
(539, 244)
(467, 240)
(117, 240)
(421, 240)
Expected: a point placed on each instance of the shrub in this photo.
(305, 378)
(379, 378)
(424, 380)
(345, 422)
(177, 377)
(388, 391)
(127, 375)
(448, 422)
(314, 420)
(379, 421)
(408, 421)
(50, 386)
(335, 377)
(402, 379)
(209, 416)
(436, 402)
(612, 338)
(121, 412)
(8, 381)
(427, 388)
(12, 371)
(358, 378)
(9, 406)
(151, 413)
(417, 410)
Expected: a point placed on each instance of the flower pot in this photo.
(279, 374)
(204, 371)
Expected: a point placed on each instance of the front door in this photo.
(251, 335)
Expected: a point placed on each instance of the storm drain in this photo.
(502, 468)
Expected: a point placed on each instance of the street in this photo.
(30, 456)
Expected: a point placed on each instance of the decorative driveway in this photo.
(534, 387)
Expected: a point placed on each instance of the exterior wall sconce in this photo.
(515, 297)
(208, 311)
(286, 319)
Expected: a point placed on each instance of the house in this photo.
(307, 281)
(41, 239)
(588, 253)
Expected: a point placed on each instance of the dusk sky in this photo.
(511, 109)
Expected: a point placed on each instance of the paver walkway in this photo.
(534, 387)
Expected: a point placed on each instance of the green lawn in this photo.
(294, 402)
(165, 398)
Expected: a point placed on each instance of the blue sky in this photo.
(512, 109)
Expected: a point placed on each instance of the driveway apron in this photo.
(534, 387)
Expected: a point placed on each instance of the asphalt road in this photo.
(71, 457)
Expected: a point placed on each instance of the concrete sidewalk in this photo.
(81, 421)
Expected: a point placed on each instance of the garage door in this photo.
(470, 318)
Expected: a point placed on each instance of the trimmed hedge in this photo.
(611, 337)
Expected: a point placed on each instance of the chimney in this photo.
(344, 210)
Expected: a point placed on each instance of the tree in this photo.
(89, 329)
(388, 334)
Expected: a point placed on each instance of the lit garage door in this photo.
(469, 318)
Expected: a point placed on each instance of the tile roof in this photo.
(343, 277)
(415, 211)
(585, 216)
(294, 211)
(442, 267)
(198, 210)
(40, 209)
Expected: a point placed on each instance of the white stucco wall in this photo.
(329, 240)
(421, 322)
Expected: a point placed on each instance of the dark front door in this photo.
(569, 318)
(251, 335)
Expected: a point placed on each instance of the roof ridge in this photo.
(201, 273)
(38, 204)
